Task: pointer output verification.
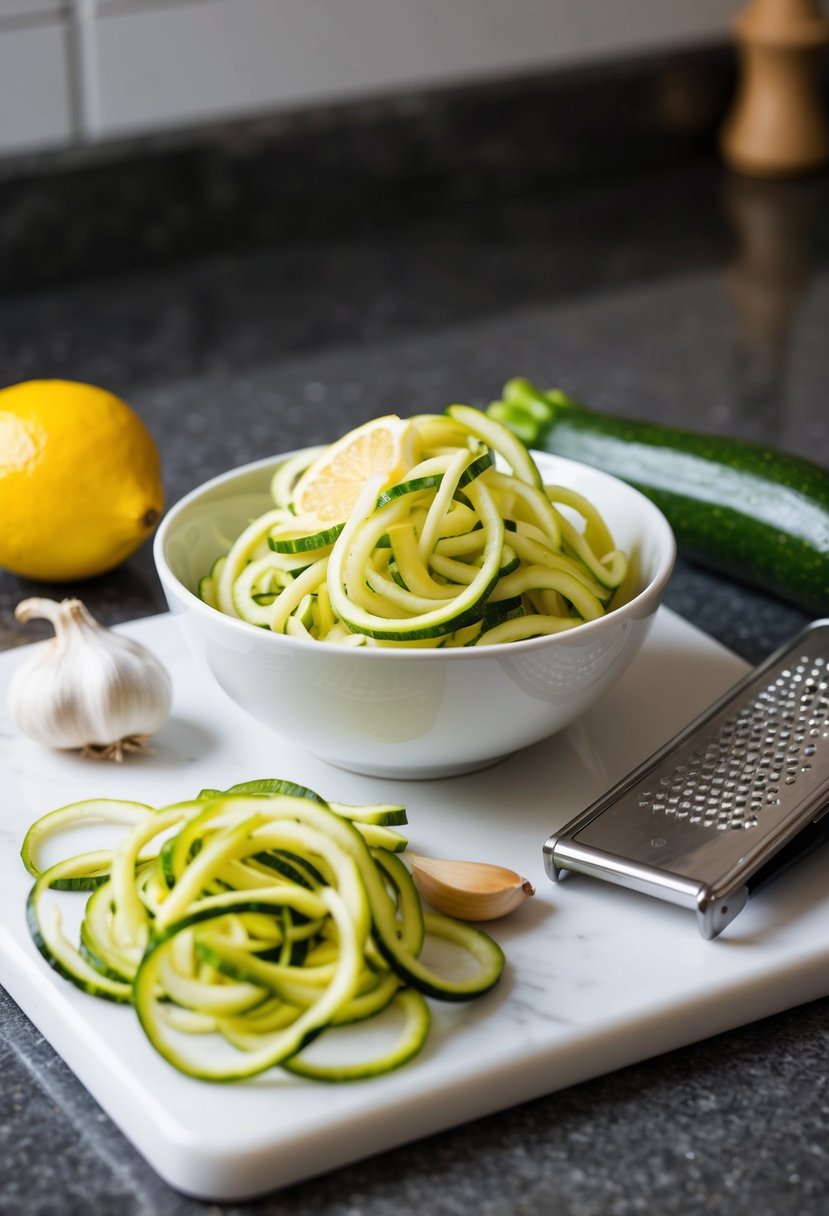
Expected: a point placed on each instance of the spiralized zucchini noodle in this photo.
(243, 925)
(469, 548)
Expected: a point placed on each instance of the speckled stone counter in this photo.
(661, 287)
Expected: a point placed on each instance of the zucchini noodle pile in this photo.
(465, 550)
(244, 924)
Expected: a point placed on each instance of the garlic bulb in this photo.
(469, 890)
(88, 687)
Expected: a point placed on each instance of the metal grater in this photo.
(735, 798)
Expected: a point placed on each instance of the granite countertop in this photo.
(245, 301)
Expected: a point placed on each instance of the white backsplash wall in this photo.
(74, 71)
(36, 91)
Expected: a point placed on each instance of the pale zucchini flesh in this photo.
(420, 562)
(244, 925)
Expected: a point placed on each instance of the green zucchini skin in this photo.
(753, 513)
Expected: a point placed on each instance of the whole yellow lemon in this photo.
(80, 480)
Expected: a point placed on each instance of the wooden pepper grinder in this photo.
(778, 125)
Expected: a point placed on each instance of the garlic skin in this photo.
(87, 688)
(469, 890)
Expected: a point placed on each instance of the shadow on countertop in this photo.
(404, 163)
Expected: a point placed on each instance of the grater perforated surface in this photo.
(735, 774)
(702, 817)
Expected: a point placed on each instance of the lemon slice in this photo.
(330, 487)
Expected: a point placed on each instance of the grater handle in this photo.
(735, 799)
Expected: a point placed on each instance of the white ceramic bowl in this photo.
(413, 713)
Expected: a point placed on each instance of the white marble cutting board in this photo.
(597, 977)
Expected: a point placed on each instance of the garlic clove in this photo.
(87, 688)
(469, 890)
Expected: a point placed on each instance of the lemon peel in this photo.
(80, 480)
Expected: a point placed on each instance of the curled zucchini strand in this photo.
(421, 562)
(244, 925)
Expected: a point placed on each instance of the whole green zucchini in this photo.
(750, 512)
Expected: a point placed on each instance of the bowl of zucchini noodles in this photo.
(473, 604)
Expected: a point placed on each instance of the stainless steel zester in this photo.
(737, 796)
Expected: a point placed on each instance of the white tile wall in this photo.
(176, 63)
(28, 10)
(36, 105)
(134, 66)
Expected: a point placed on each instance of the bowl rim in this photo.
(497, 650)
